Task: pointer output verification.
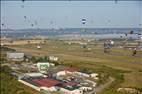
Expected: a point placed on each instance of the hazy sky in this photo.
(63, 14)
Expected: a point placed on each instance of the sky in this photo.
(68, 14)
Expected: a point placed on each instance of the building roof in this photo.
(57, 69)
(63, 68)
(46, 82)
(70, 84)
(15, 55)
(34, 74)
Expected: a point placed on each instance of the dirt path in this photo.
(102, 87)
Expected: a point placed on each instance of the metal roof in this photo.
(46, 82)
(15, 55)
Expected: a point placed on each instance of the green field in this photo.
(10, 85)
(119, 63)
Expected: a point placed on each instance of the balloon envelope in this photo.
(83, 21)
(23, 0)
(25, 17)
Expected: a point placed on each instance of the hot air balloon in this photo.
(83, 21)
(108, 20)
(51, 22)
(35, 22)
(2, 24)
(115, 1)
(25, 17)
(23, 0)
(22, 6)
(32, 25)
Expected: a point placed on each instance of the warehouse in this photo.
(15, 56)
(40, 83)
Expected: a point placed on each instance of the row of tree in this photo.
(43, 59)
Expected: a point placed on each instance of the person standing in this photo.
(134, 51)
(105, 47)
(112, 43)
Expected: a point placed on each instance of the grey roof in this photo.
(57, 68)
(15, 55)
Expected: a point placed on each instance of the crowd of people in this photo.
(108, 44)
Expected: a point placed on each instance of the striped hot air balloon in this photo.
(83, 21)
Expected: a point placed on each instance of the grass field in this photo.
(94, 59)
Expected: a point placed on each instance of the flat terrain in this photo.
(94, 58)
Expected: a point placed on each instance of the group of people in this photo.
(108, 45)
(134, 51)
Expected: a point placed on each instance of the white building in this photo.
(43, 66)
(67, 91)
(15, 56)
(35, 74)
(53, 58)
(40, 84)
(38, 47)
(65, 71)
(94, 75)
(82, 74)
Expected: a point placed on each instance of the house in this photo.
(35, 74)
(15, 56)
(70, 88)
(60, 80)
(53, 58)
(66, 70)
(82, 74)
(94, 75)
(40, 83)
(67, 91)
(46, 84)
(43, 66)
